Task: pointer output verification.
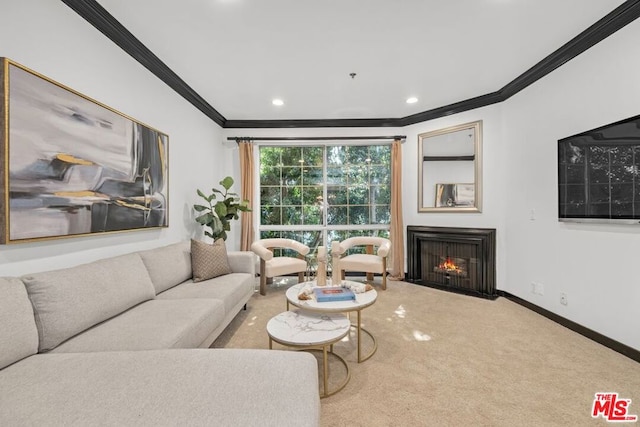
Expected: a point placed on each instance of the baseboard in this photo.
(455, 290)
(614, 345)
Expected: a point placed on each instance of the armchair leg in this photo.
(369, 251)
(300, 277)
(384, 274)
(263, 279)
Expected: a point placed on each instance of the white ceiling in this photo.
(240, 54)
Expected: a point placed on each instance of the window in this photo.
(319, 193)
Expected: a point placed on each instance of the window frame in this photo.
(324, 228)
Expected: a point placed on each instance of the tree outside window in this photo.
(320, 193)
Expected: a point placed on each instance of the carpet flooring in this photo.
(445, 359)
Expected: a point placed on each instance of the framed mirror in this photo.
(450, 169)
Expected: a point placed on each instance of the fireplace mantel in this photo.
(476, 246)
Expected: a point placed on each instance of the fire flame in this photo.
(448, 265)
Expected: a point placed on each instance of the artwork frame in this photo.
(72, 166)
(450, 155)
(455, 195)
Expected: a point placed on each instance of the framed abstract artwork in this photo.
(72, 166)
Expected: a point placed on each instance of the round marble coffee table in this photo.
(362, 301)
(312, 331)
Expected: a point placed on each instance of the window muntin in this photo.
(320, 193)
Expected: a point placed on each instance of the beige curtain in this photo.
(246, 193)
(396, 233)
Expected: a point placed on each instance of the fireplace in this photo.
(455, 259)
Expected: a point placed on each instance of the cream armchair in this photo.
(373, 261)
(271, 266)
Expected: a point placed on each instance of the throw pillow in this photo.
(209, 261)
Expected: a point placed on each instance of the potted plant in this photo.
(221, 209)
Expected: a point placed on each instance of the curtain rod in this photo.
(312, 138)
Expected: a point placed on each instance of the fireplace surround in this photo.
(451, 258)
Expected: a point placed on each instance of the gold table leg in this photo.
(325, 374)
(326, 349)
(359, 330)
(325, 370)
(359, 340)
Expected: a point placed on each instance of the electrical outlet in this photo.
(540, 289)
(563, 299)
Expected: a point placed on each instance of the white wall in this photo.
(493, 150)
(48, 37)
(494, 186)
(595, 265)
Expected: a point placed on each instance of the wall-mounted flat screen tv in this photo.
(599, 174)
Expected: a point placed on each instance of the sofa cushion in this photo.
(18, 332)
(69, 301)
(168, 265)
(154, 324)
(231, 289)
(207, 387)
(209, 260)
(242, 262)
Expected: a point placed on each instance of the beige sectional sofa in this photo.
(123, 341)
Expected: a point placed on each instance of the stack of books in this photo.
(333, 293)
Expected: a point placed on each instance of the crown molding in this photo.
(311, 123)
(97, 16)
(624, 14)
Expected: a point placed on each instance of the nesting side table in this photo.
(305, 330)
(362, 301)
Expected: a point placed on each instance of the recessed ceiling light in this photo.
(412, 100)
(277, 102)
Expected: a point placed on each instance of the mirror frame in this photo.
(477, 163)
